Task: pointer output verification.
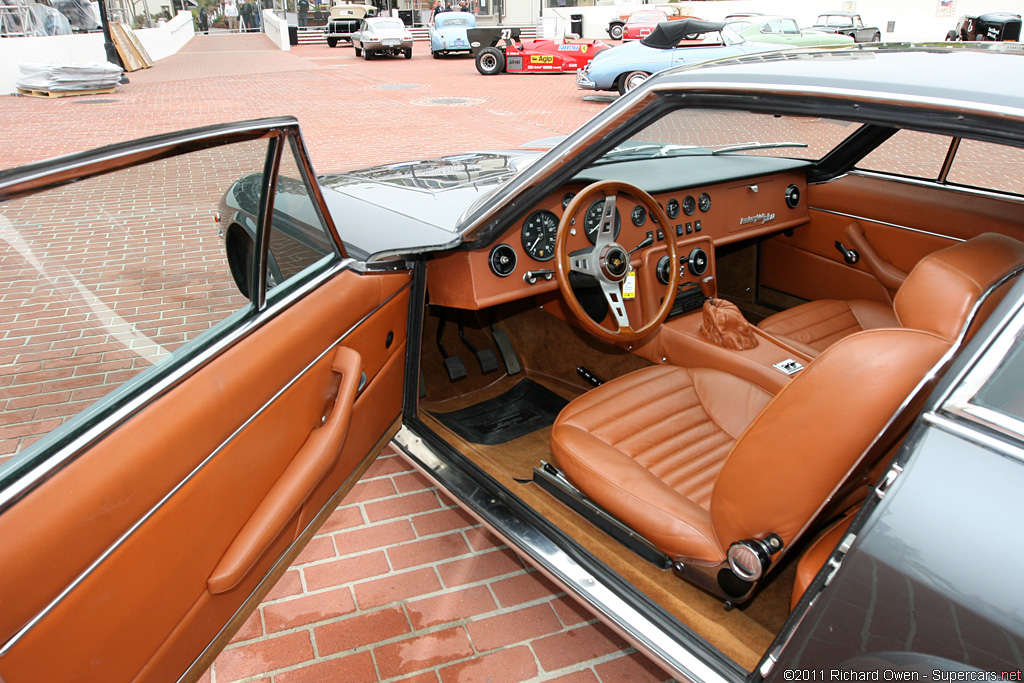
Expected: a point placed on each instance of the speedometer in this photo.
(592, 221)
(538, 235)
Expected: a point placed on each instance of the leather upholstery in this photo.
(937, 296)
(648, 447)
(725, 325)
(941, 291)
(817, 325)
(815, 557)
(696, 459)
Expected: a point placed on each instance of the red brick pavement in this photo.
(399, 584)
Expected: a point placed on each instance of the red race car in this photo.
(641, 23)
(499, 50)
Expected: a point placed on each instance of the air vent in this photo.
(792, 196)
(502, 260)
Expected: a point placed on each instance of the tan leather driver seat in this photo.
(696, 460)
(814, 326)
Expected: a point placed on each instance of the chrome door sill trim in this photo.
(526, 537)
(20, 633)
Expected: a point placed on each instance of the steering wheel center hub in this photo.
(614, 262)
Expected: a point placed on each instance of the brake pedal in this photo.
(485, 357)
(453, 365)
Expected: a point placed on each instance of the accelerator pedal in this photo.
(453, 365)
(485, 357)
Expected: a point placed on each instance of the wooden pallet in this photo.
(64, 93)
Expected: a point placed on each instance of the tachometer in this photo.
(592, 221)
(538, 235)
(672, 208)
(689, 205)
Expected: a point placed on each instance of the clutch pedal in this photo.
(453, 365)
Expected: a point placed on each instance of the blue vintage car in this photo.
(672, 43)
(448, 34)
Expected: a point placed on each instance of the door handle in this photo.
(308, 467)
(889, 275)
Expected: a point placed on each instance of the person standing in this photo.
(438, 8)
(230, 10)
(303, 12)
(204, 20)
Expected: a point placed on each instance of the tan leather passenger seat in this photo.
(814, 326)
(816, 555)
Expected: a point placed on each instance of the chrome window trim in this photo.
(6, 647)
(935, 184)
(975, 436)
(559, 566)
(886, 223)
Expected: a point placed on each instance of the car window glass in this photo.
(717, 128)
(789, 26)
(858, 23)
(1004, 391)
(299, 239)
(108, 277)
(909, 153)
(988, 166)
(770, 27)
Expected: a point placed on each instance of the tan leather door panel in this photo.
(241, 455)
(902, 222)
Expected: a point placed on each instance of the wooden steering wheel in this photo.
(608, 262)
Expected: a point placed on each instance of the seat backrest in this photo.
(940, 293)
(801, 447)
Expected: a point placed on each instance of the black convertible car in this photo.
(737, 365)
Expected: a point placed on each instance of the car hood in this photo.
(420, 202)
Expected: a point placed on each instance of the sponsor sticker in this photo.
(542, 59)
(570, 48)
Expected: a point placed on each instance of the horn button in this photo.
(614, 262)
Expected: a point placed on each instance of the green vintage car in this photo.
(784, 30)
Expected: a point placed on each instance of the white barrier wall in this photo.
(276, 29)
(913, 20)
(84, 48)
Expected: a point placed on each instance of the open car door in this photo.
(194, 375)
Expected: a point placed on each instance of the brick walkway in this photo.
(399, 584)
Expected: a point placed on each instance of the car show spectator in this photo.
(230, 11)
(303, 12)
(204, 20)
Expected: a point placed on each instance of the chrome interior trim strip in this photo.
(92, 433)
(134, 527)
(878, 222)
(520, 534)
(974, 436)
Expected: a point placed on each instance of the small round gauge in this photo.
(689, 205)
(672, 208)
(538, 235)
(592, 221)
(502, 260)
(704, 201)
(639, 216)
(567, 198)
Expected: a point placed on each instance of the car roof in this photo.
(667, 34)
(838, 14)
(966, 75)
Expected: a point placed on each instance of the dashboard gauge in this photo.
(639, 216)
(704, 201)
(502, 260)
(538, 235)
(592, 221)
(567, 198)
(689, 205)
(672, 208)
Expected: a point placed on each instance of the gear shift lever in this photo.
(707, 288)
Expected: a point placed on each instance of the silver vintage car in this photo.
(385, 36)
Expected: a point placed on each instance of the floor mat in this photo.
(524, 408)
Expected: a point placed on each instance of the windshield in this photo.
(704, 132)
(386, 25)
(647, 17)
(452, 21)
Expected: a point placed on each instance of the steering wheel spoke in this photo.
(606, 229)
(584, 262)
(613, 295)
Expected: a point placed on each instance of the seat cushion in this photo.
(648, 447)
(817, 325)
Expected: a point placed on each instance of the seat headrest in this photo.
(943, 288)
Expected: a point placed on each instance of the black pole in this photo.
(108, 41)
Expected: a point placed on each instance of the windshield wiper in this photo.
(663, 149)
(744, 146)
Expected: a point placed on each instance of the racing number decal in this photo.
(506, 34)
(542, 59)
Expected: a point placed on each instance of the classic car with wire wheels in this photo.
(994, 26)
(737, 365)
(448, 33)
(344, 20)
(690, 41)
(382, 37)
(847, 24)
(500, 50)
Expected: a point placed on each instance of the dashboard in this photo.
(720, 210)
